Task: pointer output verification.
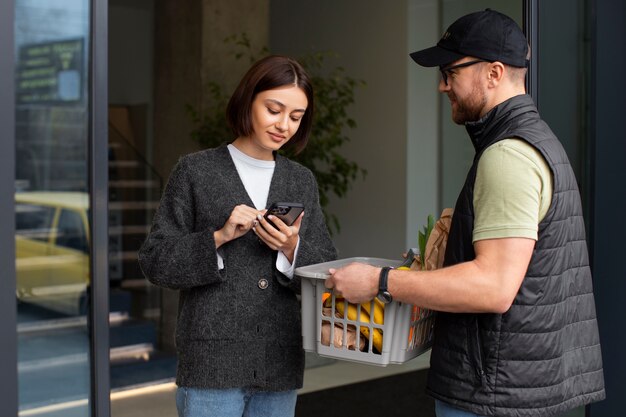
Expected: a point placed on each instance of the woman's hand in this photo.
(241, 220)
(284, 239)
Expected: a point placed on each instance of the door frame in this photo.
(8, 300)
(530, 17)
(98, 184)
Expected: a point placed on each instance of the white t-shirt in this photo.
(256, 176)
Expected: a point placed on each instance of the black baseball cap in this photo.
(487, 35)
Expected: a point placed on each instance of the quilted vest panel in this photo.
(542, 356)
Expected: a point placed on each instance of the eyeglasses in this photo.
(445, 70)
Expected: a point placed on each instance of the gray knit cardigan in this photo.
(233, 330)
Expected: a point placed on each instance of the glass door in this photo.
(52, 212)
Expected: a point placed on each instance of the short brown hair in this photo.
(271, 72)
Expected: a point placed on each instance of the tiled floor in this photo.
(158, 401)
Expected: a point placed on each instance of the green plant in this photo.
(422, 238)
(334, 93)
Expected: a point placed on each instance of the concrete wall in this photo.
(190, 51)
(131, 66)
(371, 39)
(177, 75)
(131, 48)
(457, 151)
(224, 18)
(423, 147)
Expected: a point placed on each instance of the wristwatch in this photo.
(383, 293)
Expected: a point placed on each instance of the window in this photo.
(71, 231)
(52, 39)
(33, 222)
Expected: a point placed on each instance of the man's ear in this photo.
(495, 73)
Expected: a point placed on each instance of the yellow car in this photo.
(52, 249)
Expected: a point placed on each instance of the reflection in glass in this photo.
(52, 250)
(52, 206)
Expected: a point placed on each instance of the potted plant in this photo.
(334, 93)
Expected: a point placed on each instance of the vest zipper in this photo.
(478, 353)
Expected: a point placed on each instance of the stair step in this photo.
(133, 205)
(67, 185)
(123, 256)
(48, 325)
(160, 367)
(135, 194)
(122, 269)
(124, 164)
(129, 230)
(128, 243)
(135, 283)
(134, 183)
(139, 351)
(133, 332)
(120, 301)
(131, 217)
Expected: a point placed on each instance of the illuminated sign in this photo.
(50, 73)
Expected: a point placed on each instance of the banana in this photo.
(352, 311)
(377, 338)
(379, 310)
(366, 312)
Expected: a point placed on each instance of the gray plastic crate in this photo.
(406, 330)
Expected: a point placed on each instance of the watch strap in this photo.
(383, 292)
(383, 278)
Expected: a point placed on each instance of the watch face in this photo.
(385, 297)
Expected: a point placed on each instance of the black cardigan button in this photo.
(263, 283)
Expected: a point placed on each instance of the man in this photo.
(517, 333)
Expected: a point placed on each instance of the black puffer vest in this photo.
(542, 356)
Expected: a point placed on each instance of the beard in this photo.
(468, 109)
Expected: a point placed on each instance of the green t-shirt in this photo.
(512, 191)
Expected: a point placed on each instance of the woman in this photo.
(238, 332)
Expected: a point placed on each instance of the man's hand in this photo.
(357, 283)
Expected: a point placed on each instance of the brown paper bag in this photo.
(338, 341)
(436, 244)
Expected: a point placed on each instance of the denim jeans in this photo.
(237, 402)
(443, 409)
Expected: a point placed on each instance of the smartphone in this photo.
(287, 212)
